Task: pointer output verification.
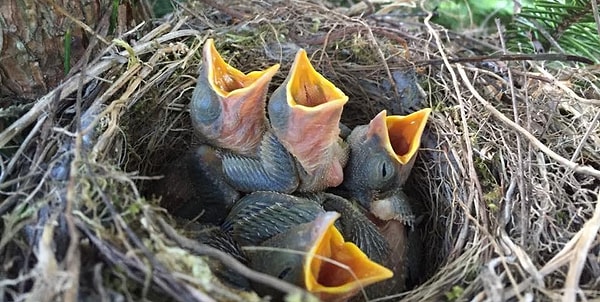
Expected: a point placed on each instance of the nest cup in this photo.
(493, 208)
(354, 61)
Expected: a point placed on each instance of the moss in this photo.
(455, 293)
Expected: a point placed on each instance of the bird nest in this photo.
(506, 181)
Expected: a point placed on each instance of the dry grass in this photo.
(507, 179)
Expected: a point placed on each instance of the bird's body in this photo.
(315, 255)
(261, 216)
(382, 155)
(192, 185)
(299, 150)
(305, 113)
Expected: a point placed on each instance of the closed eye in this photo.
(284, 273)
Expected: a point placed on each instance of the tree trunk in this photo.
(33, 51)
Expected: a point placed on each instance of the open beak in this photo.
(228, 106)
(335, 269)
(228, 82)
(400, 135)
(305, 112)
(314, 255)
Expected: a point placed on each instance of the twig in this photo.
(591, 128)
(226, 9)
(382, 57)
(71, 85)
(133, 268)
(473, 179)
(11, 164)
(524, 204)
(228, 260)
(587, 170)
(370, 7)
(565, 88)
(108, 203)
(565, 255)
(589, 232)
(510, 57)
(72, 259)
(545, 33)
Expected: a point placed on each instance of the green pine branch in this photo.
(551, 26)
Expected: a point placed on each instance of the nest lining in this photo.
(506, 180)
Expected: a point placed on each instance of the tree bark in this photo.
(32, 40)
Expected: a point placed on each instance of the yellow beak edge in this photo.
(401, 135)
(335, 268)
